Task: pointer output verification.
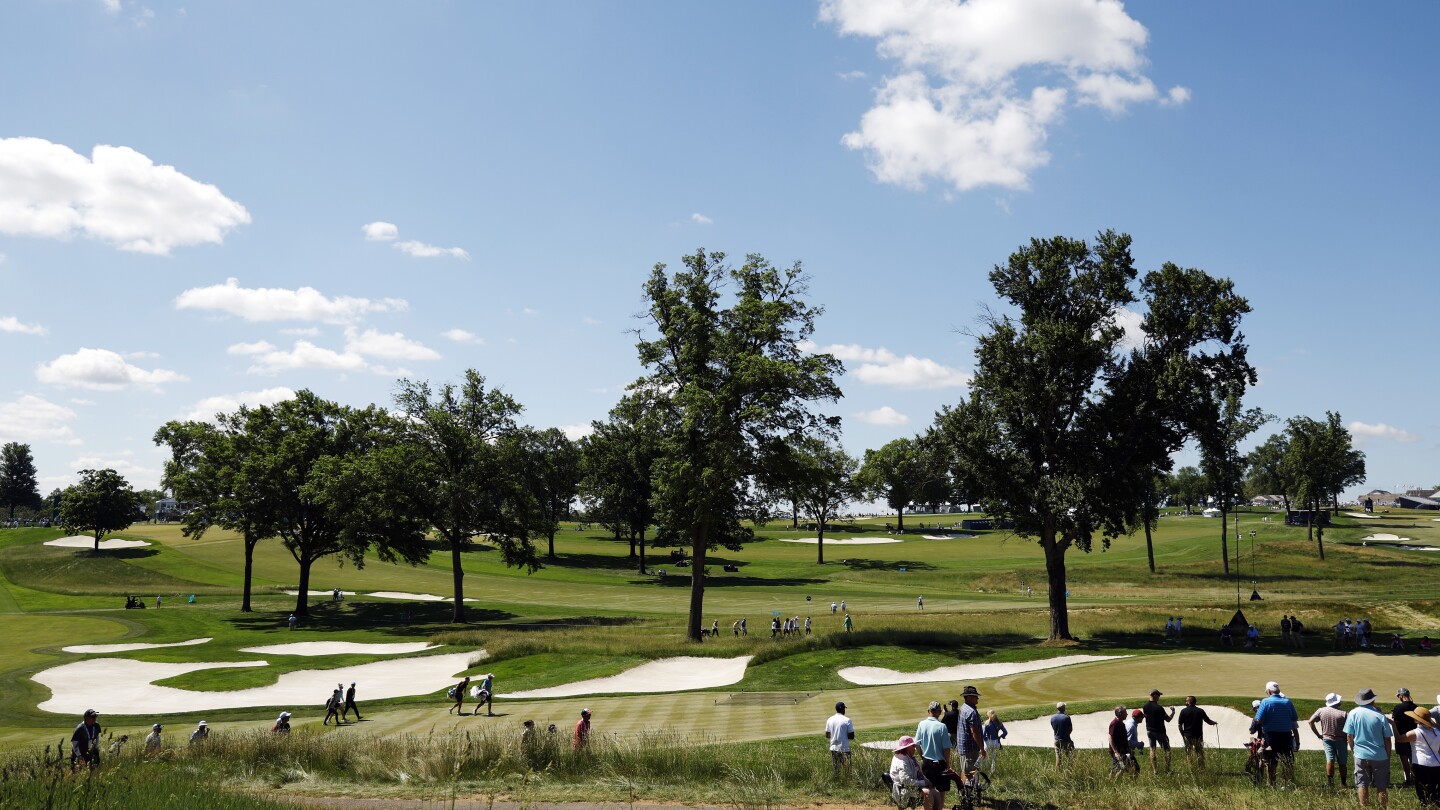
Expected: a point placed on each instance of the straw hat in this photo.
(903, 744)
(1421, 715)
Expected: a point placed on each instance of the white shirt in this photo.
(839, 728)
(1426, 749)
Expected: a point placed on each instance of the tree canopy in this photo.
(824, 483)
(100, 503)
(725, 362)
(19, 481)
(896, 473)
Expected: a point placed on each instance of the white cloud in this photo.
(301, 331)
(81, 401)
(117, 195)
(141, 355)
(577, 432)
(884, 367)
(279, 304)
(31, 418)
(1132, 322)
(530, 313)
(138, 476)
(1380, 430)
(851, 75)
(388, 232)
(101, 370)
(112, 6)
(244, 349)
(392, 346)
(11, 324)
(982, 81)
(701, 219)
(885, 416)
(205, 409)
(306, 355)
(461, 336)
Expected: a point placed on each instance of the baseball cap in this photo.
(1156, 693)
(202, 723)
(1402, 691)
(1254, 704)
(91, 713)
(156, 727)
(1272, 686)
(584, 712)
(839, 705)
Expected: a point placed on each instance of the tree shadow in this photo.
(117, 553)
(397, 619)
(886, 565)
(680, 578)
(604, 562)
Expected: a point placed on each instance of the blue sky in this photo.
(420, 188)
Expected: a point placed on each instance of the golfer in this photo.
(350, 700)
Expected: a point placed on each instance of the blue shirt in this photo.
(1063, 727)
(934, 739)
(1369, 727)
(1277, 714)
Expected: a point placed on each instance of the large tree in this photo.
(19, 482)
(896, 473)
(618, 460)
(1063, 426)
(824, 483)
(1188, 486)
(1322, 462)
(331, 480)
(1270, 468)
(727, 363)
(462, 452)
(552, 473)
(1220, 437)
(100, 503)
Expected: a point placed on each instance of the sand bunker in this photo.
(127, 647)
(665, 675)
(945, 536)
(340, 648)
(80, 541)
(1363, 516)
(1090, 730)
(849, 541)
(318, 593)
(125, 686)
(1383, 537)
(879, 676)
(414, 597)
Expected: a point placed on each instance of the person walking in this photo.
(282, 724)
(849, 625)
(1121, 759)
(1179, 629)
(920, 602)
(842, 606)
(152, 740)
(200, 734)
(1278, 722)
(1192, 722)
(292, 621)
(839, 731)
(350, 700)
(993, 731)
(1370, 736)
(1064, 728)
(332, 708)
(1285, 630)
(340, 702)
(460, 696)
(1403, 723)
(581, 740)
(935, 746)
(807, 625)
(85, 741)
(1156, 716)
(1328, 725)
(970, 741)
(1425, 769)
(834, 607)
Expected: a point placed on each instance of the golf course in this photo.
(588, 631)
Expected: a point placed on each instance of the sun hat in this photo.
(1422, 716)
(839, 705)
(1365, 697)
(903, 743)
(969, 690)
(1332, 700)
(202, 724)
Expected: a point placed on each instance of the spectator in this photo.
(85, 741)
(1330, 720)
(200, 734)
(581, 740)
(1121, 758)
(1425, 739)
(1063, 727)
(1370, 737)
(994, 731)
(153, 741)
(1277, 721)
(1156, 716)
(839, 731)
(1402, 722)
(1193, 720)
(935, 745)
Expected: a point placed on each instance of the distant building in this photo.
(1267, 500)
(1416, 502)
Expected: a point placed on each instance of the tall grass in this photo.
(40, 780)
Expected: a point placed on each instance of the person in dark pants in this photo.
(85, 741)
(1156, 716)
(1403, 723)
(1193, 720)
(1425, 740)
(350, 700)
(460, 695)
(951, 720)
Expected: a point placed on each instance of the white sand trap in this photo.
(665, 675)
(849, 541)
(879, 676)
(1091, 730)
(318, 593)
(114, 648)
(125, 686)
(1363, 516)
(946, 536)
(414, 597)
(1384, 537)
(81, 541)
(340, 648)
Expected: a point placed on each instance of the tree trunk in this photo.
(302, 600)
(642, 551)
(1224, 540)
(700, 540)
(794, 515)
(900, 520)
(1149, 546)
(249, 567)
(1286, 500)
(1150, 518)
(458, 573)
(1310, 521)
(97, 540)
(1055, 573)
(632, 541)
(820, 543)
(552, 544)
(1320, 541)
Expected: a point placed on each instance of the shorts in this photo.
(934, 772)
(968, 764)
(840, 759)
(1161, 740)
(1335, 751)
(1372, 773)
(1064, 747)
(1193, 743)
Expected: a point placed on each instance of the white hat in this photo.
(201, 724)
(284, 715)
(1272, 687)
(1254, 704)
(1332, 700)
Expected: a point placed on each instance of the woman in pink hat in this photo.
(907, 784)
